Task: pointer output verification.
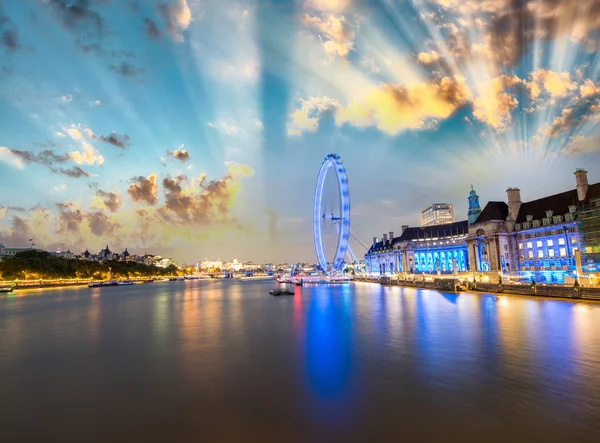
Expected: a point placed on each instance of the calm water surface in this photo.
(221, 361)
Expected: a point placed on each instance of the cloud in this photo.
(200, 201)
(226, 127)
(110, 200)
(46, 157)
(151, 30)
(177, 17)
(78, 17)
(74, 172)
(59, 188)
(554, 83)
(88, 156)
(100, 224)
(9, 34)
(144, 189)
(394, 108)
(428, 58)
(328, 5)
(336, 39)
(582, 145)
(69, 218)
(120, 141)
(66, 98)
(180, 154)
(7, 156)
(96, 103)
(127, 69)
(494, 105)
(307, 117)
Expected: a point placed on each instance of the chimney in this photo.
(374, 240)
(582, 183)
(514, 202)
(384, 239)
(404, 228)
(391, 236)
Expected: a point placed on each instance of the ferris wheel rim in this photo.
(332, 161)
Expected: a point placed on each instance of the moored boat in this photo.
(6, 290)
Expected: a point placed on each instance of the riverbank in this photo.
(449, 284)
(62, 283)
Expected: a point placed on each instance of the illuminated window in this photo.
(539, 244)
(550, 243)
(530, 254)
(529, 245)
(563, 252)
(573, 240)
(520, 245)
(540, 254)
(550, 252)
(561, 241)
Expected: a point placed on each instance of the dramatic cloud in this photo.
(328, 5)
(110, 200)
(428, 58)
(307, 117)
(336, 39)
(127, 69)
(74, 172)
(46, 157)
(200, 201)
(87, 156)
(151, 30)
(394, 108)
(100, 224)
(144, 189)
(69, 218)
(180, 154)
(177, 17)
(494, 105)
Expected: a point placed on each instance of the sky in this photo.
(196, 128)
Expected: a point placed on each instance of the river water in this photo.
(223, 361)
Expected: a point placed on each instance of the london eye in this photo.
(331, 214)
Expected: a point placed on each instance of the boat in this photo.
(6, 290)
(149, 281)
(177, 279)
(281, 291)
(102, 284)
(191, 277)
(258, 277)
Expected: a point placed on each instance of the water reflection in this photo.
(331, 363)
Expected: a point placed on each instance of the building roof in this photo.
(558, 203)
(493, 211)
(427, 232)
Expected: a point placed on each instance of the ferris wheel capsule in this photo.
(332, 164)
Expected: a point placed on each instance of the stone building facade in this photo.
(535, 239)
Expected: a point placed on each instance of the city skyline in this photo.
(196, 128)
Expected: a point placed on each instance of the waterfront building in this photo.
(437, 214)
(536, 239)
(474, 208)
(11, 252)
(432, 249)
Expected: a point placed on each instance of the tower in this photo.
(474, 208)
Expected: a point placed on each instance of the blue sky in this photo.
(196, 128)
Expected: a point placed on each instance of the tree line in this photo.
(33, 265)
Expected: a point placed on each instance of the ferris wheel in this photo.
(331, 214)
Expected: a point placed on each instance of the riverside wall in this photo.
(550, 291)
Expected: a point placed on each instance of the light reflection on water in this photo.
(226, 361)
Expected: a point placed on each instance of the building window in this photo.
(563, 252)
(539, 244)
(550, 252)
(530, 254)
(540, 254)
(520, 245)
(529, 245)
(550, 243)
(573, 240)
(561, 241)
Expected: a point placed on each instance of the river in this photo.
(224, 361)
